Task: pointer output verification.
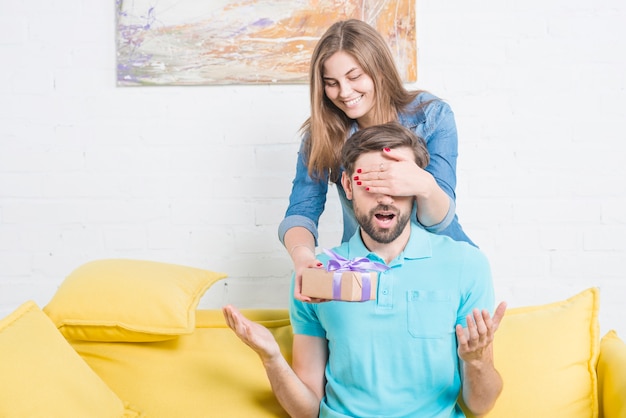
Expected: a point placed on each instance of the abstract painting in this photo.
(203, 42)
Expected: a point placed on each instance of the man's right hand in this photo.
(254, 335)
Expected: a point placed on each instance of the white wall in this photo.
(201, 175)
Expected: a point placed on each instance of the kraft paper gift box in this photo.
(351, 286)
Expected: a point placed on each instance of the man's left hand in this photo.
(474, 340)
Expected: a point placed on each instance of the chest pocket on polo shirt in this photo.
(430, 314)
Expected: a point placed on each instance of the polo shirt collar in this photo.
(419, 246)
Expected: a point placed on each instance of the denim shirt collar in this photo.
(409, 118)
(412, 118)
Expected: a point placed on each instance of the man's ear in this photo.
(347, 185)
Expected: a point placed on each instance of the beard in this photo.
(381, 235)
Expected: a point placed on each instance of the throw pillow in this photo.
(42, 376)
(122, 300)
(546, 355)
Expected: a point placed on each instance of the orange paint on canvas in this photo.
(250, 41)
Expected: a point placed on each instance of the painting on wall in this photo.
(193, 42)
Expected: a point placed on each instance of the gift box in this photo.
(343, 279)
(350, 286)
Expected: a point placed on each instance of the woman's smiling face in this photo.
(349, 87)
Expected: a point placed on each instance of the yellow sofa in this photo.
(124, 338)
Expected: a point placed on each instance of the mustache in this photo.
(385, 208)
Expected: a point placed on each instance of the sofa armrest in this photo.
(612, 376)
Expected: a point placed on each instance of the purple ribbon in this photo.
(339, 265)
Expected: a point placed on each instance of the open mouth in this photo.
(353, 101)
(384, 218)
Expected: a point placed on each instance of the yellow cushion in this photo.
(612, 376)
(209, 373)
(129, 300)
(547, 355)
(42, 376)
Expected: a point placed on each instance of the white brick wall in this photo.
(201, 175)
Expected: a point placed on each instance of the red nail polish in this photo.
(367, 188)
(358, 170)
(356, 177)
(386, 149)
(358, 183)
(319, 264)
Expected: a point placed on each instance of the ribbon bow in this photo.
(360, 264)
(338, 264)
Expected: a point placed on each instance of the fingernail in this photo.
(358, 183)
(358, 170)
(367, 188)
(319, 264)
(356, 177)
(386, 149)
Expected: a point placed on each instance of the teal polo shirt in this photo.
(396, 356)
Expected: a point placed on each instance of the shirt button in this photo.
(385, 292)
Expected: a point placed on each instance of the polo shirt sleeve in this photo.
(303, 316)
(304, 319)
(476, 285)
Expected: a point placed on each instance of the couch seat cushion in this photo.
(209, 373)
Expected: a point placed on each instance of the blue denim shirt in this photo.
(435, 124)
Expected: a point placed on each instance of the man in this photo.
(410, 352)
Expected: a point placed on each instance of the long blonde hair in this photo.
(328, 126)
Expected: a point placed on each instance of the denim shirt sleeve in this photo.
(436, 125)
(445, 222)
(307, 199)
(440, 134)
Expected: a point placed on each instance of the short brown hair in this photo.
(377, 137)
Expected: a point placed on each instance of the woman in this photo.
(354, 84)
